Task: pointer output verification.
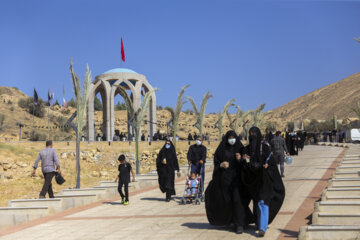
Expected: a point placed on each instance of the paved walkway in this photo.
(149, 217)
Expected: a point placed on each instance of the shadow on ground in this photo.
(113, 203)
(289, 233)
(195, 225)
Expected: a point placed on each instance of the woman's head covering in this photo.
(255, 138)
(172, 147)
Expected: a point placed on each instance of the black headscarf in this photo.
(255, 144)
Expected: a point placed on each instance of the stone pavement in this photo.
(149, 217)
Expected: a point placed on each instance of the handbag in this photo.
(288, 160)
(59, 179)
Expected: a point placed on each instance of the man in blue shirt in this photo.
(48, 159)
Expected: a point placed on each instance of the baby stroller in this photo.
(196, 194)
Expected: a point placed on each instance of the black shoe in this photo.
(239, 229)
(41, 197)
(167, 199)
(261, 233)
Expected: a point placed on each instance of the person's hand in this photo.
(59, 171)
(224, 164)
(238, 156)
(115, 180)
(265, 165)
(189, 163)
(201, 162)
(245, 156)
(133, 179)
(288, 154)
(163, 162)
(178, 174)
(33, 173)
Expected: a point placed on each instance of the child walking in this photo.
(124, 178)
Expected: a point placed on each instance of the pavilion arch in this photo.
(110, 81)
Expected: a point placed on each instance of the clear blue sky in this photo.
(256, 52)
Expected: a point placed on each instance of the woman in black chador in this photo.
(225, 199)
(262, 178)
(166, 164)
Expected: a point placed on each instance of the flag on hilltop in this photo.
(50, 97)
(36, 98)
(64, 102)
(122, 51)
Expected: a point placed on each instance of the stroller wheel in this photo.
(202, 198)
(197, 202)
(183, 202)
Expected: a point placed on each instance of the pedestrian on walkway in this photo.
(226, 200)
(48, 159)
(197, 158)
(124, 178)
(262, 179)
(166, 164)
(278, 147)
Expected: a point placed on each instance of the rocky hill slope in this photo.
(337, 98)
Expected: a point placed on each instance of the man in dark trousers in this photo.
(278, 147)
(48, 159)
(197, 157)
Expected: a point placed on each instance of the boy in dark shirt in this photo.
(124, 178)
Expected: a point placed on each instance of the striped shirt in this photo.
(48, 159)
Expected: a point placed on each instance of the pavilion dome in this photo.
(120, 70)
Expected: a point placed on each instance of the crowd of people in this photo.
(241, 175)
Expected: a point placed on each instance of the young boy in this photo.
(124, 178)
(192, 184)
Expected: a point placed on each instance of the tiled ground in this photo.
(149, 217)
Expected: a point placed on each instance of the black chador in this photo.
(262, 179)
(166, 164)
(225, 199)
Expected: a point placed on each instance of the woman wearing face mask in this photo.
(224, 194)
(166, 164)
(262, 179)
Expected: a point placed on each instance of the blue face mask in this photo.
(167, 146)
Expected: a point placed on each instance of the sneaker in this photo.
(126, 203)
(261, 233)
(123, 200)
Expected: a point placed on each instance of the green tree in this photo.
(175, 114)
(97, 104)
(81, 98)
(200, 115)
(120, 106)
(28, 104)
(71, 103)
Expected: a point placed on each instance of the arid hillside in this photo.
(337, 98)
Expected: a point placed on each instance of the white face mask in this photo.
(198, 142)
(232, 141)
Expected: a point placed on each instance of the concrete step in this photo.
(330, 232)
(349, 168)
(101, 193)
(11, 216)
(338, 182)
(113, 190)
(336, 218)
(340, 198)
(342, 192)
(350, 174)
(337, 207)
(54, 204)
(71, 201)
(350, 165)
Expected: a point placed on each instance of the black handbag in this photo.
(59, 179)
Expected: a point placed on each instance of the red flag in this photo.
(122, 51)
